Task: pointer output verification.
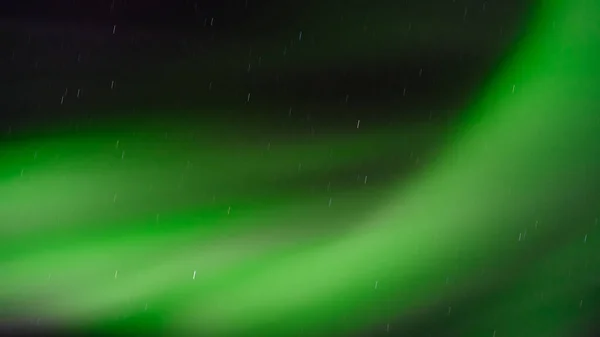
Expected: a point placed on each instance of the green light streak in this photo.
(92, 235)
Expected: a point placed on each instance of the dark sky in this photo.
(334, 57)
(170, 15)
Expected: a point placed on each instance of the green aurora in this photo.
(135, 229)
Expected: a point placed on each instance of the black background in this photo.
(164, 57)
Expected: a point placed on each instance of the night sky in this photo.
(335, 60)
(268, 139)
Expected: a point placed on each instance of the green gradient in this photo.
(187, 248)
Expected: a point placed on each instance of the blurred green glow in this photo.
(114, 225)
